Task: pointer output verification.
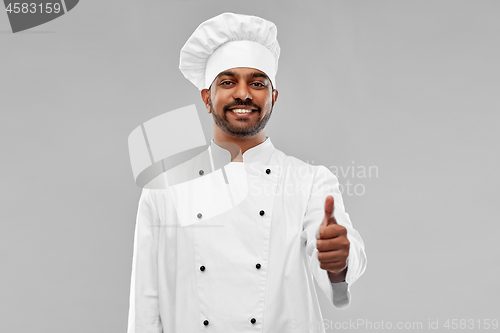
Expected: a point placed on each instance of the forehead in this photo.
(240, 72)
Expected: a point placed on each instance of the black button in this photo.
(199, 215)
(258, 266)
(202, 268)
(268, 171)
(261, 213)
(253, 320)
(205, 322)
(201, 172)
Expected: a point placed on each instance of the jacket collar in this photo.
(259, 153)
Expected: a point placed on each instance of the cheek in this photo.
(219, 101)
(267, 99)
(267, 102)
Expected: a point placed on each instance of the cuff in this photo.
(341, 296)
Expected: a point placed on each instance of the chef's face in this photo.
(241, 89)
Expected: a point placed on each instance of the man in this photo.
(250, 268)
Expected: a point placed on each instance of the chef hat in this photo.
(230, 41)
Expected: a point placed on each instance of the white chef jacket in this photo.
(248, 269)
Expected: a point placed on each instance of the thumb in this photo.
(329, 207)
(328, 218)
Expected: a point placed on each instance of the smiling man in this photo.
(241, 101)
(251, 268)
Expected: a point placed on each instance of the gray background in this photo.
(409, 87)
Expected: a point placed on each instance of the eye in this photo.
(259, 84)
(225, 83)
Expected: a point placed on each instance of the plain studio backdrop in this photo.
(401, 99)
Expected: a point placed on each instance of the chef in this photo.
(250, 267)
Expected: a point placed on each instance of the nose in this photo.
(242, 92)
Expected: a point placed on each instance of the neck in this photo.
(243, 143)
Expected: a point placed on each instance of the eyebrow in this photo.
(227, 73)
(233, 74)
(257, 74)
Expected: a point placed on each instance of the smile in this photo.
(241, 111)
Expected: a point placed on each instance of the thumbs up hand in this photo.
(332, 244)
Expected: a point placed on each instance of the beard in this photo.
(242, 129)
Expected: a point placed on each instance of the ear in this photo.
(275, 96)
(205, 96)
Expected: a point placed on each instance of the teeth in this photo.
(241, 111)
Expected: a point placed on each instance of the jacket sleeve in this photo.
(144, 306)
(326, 183)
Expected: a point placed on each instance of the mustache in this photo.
(242, 103)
